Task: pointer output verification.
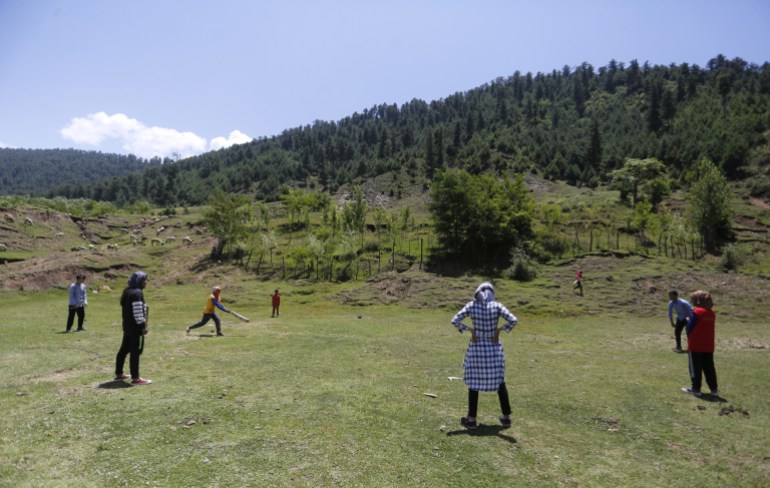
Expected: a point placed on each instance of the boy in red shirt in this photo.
(578, 283)
(276, 303)
(700, 343)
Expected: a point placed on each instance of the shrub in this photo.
(549, 245)
(760, 186)
(731, 258)
(521, 269)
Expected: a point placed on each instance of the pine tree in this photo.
(594, 153)
(711, 206)
(430, 156)
(653, 115)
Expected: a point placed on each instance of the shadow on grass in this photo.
(712, 399)
(114, 385)
(485, 431)
(204, 264)
(225, 333)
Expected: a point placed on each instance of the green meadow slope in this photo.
(353, 384)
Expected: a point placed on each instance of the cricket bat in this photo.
(239, 316)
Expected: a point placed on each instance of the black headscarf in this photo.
(137, 279)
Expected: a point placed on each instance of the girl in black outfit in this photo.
(134, 328)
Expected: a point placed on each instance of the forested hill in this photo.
(36, 171)
(576, 124)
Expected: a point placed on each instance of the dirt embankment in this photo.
(46, 249)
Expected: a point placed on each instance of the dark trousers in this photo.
(502, 395)
(206, 318)
(81, 313)
(133, 345)
(578, 286)
(702, 364)
(678, 328)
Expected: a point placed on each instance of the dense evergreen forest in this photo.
(575, 124)
(36, 171)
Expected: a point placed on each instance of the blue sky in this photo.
(181, 77)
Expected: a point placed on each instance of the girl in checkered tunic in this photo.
(484, 364)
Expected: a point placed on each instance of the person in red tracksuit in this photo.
(700, 343)
(276, 304)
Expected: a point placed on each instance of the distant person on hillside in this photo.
(78, 301)
(683, 313)
(578, 283)
(276, 303)
(484, 365)
(210, 313)
(701, 330)
(134, 328)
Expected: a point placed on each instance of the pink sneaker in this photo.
(121, 377)
(140, 381)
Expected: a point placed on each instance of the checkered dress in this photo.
(484, 360)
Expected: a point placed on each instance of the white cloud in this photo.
(157, 141)
(2, 145)
(140, 140)
(93, 129)
(235, 137)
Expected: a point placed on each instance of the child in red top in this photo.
(578, 284)
(700, 343)
(276, 303)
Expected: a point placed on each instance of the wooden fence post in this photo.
(420, 252)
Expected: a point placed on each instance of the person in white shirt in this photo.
(77, 304)
(683, 314)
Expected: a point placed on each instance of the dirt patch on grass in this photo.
(646, 341)
(733, 409)
(742, 343)
(55, 377)
(410, 289)
(611, 424)
(758, 202)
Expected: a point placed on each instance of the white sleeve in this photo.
(138, 308)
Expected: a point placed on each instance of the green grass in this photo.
(333, 395)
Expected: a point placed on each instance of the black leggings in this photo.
(502, 395)
(132, 344)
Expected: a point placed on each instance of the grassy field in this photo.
(335, 395)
